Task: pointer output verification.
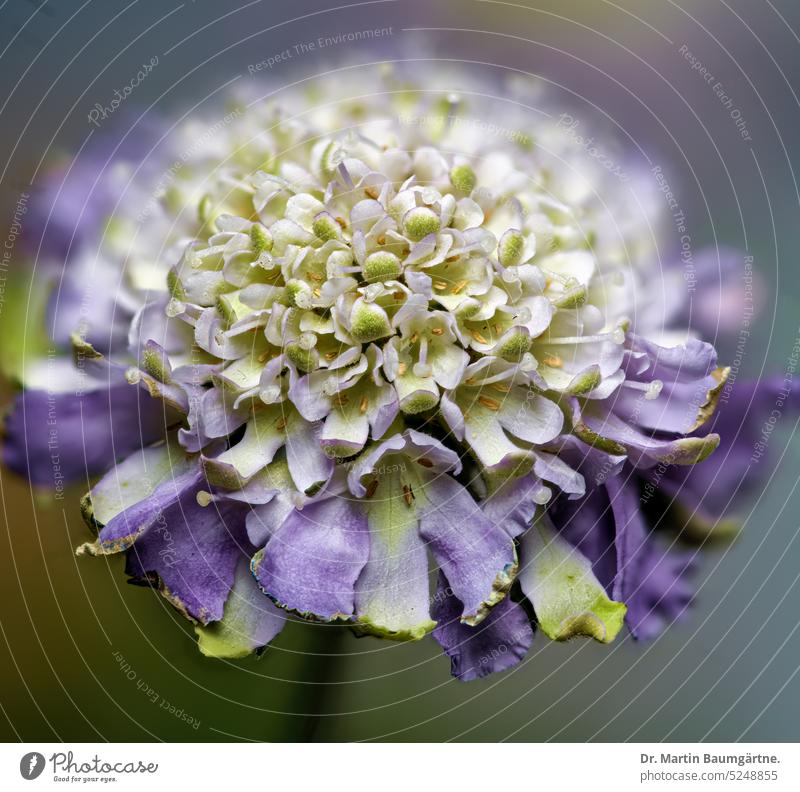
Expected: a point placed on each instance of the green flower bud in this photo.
(304, 359)
(463, 178)
(420, 222)
(381, 266)
(514, 344)
(370, 323)
(511, 248)
(325, 227)
(298, 293)
(260, 239)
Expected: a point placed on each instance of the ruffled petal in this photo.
(249, 621)
(133, 480)
(567, 597)
(651, 580)
(475, 554)
(312, 562)
(191, 553)
(498, 643)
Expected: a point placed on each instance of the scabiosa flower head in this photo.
(376, 339)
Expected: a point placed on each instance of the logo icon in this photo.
(31, 765)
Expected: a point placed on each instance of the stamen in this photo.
(489, 403)
(439, 285)
(459, 287)
(425, 462)
(408, 495)
(402, 368)
(478, 337)
(371, 192)
(554, 361)
(651, 390)
(371, 488)
(364, 405)
(437, 331)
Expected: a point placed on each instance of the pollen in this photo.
(554, 361)
(489, 403)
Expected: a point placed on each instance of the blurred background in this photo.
(85, 657)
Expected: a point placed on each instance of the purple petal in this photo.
(511, 506)
(685, 363)
(193, 551)
(249, 622)
(126, 527)
(650, 580)
(499, 642)
(312, 562)
(56, 438)
(476, 555)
